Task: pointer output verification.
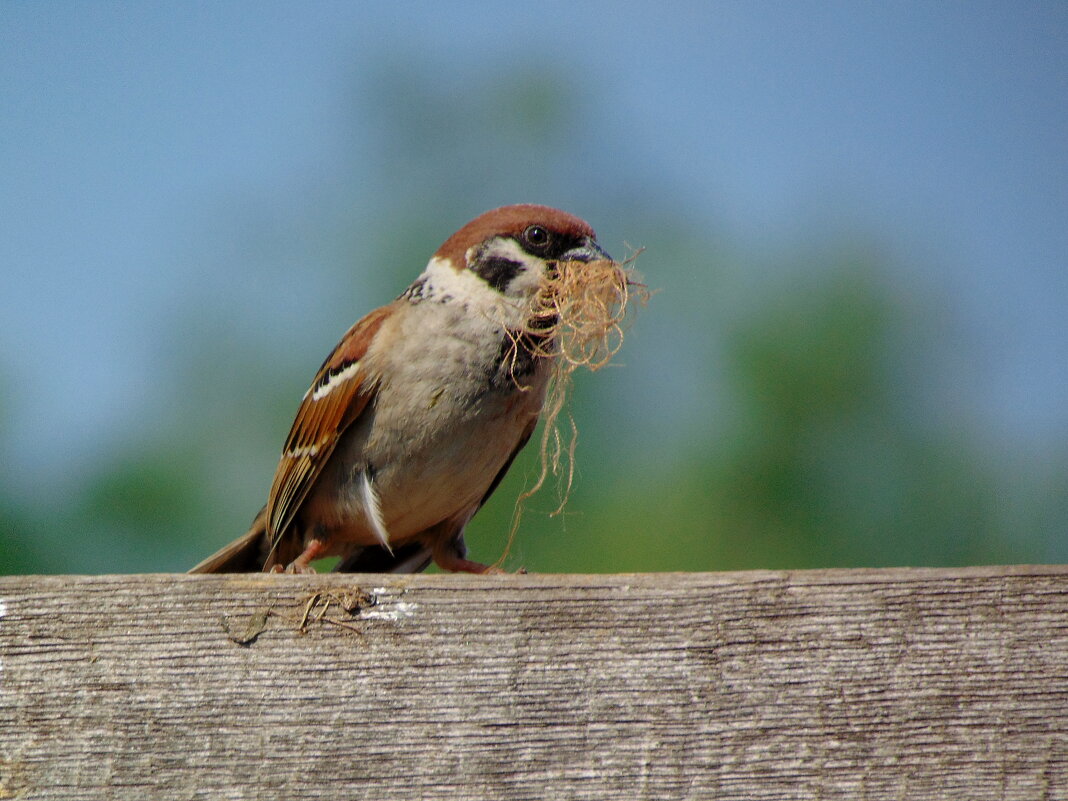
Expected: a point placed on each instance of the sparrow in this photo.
(414, 418)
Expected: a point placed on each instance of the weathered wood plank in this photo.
(866, 684)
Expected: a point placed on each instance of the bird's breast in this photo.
(454, 398)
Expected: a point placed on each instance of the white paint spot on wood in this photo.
(386, 609)
(391, 611)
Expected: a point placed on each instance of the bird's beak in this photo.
(589, 250)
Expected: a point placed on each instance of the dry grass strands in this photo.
(576, 319)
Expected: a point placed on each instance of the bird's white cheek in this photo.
(447, 284)
(527, 282)
(471, 297)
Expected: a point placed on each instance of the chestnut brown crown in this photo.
(541, 230)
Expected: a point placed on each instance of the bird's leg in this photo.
(313, 549)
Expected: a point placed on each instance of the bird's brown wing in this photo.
(341, 391)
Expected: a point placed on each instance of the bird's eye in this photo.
(536, 237)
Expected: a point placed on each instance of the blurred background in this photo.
(855, 215)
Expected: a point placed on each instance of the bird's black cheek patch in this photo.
(497, 271)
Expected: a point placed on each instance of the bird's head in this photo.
(512, 249)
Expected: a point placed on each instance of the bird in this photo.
(415, 417)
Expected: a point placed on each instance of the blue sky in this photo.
(939, 129)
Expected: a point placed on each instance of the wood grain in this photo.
(859, 684)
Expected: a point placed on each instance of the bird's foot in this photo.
(314, 549)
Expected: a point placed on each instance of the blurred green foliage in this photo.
(780, 422)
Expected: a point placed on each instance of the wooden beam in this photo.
(859, 684)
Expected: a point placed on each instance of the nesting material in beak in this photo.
(577, 319)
